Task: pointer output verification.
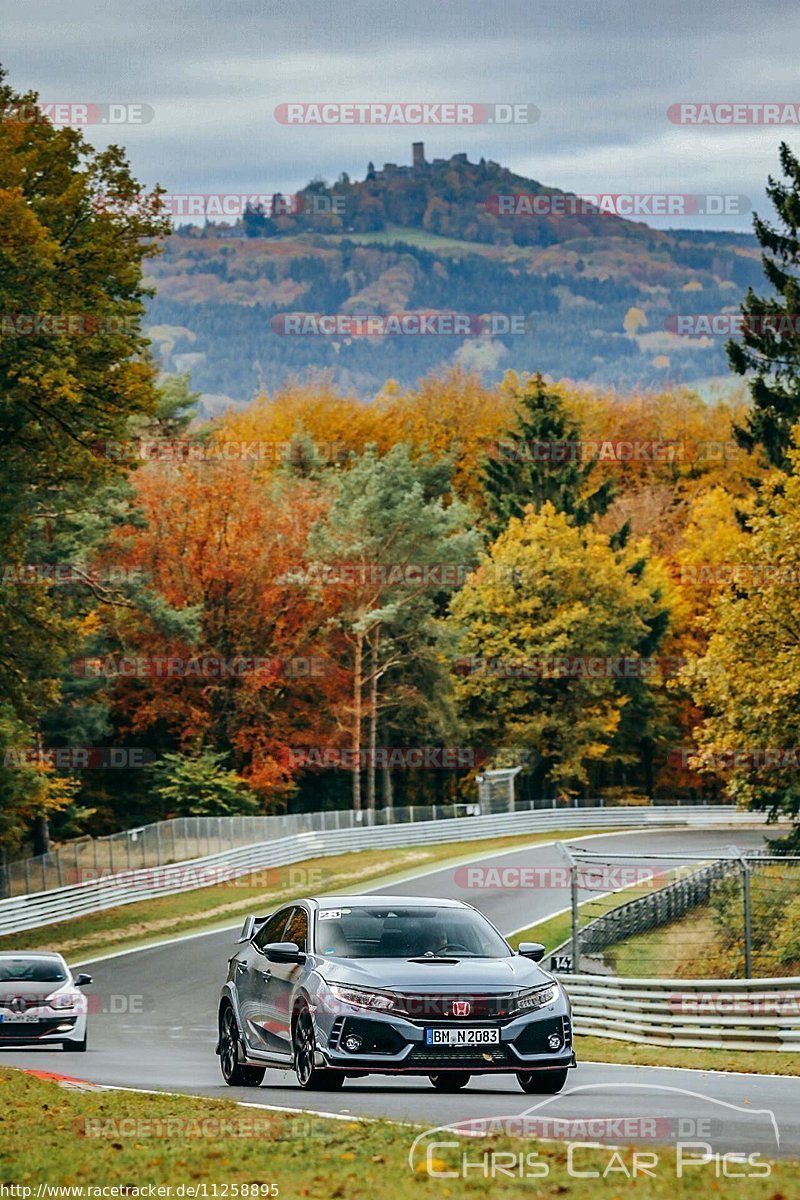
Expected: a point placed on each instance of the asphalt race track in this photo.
(158, 1031)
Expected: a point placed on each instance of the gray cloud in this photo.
(603, 76)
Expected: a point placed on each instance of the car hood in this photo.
(29, 990)
(476, 974)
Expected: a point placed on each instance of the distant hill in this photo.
(589, 292)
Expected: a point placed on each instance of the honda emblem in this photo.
(461, 1008)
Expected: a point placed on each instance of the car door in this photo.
(252, 975)
(284, 980)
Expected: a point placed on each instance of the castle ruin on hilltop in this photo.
(419, 164)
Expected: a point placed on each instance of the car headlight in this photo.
(62, 1000)
(533, 998)
(363, 998)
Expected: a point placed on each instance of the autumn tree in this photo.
(220, 545)
(452, 415)
(747, 681)
(550, 600)
(75, 228)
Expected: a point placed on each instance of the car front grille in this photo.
(421, 1006)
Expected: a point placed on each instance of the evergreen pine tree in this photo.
(773, 357)
(541, 461)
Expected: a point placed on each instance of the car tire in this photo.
(317, 1079)
(75, 1047)
(450, 1081)
(542, 1083)
(234, 1073)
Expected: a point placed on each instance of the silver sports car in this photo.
(40, 1001)
(347, 986)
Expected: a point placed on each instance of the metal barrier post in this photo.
(747, 916)
(573, 894)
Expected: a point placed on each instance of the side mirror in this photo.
(82, 979)
(248, 929)
(532, 950)
(283, 952)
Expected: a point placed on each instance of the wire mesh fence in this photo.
(185, 838)
(731, 916)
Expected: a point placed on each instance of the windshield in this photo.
(407, 933)
(31, 970)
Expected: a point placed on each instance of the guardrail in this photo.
(183, 838)
(126, 887)
(752, 1014)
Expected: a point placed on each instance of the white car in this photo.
(40, 1001)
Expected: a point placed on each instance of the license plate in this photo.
(18, 1018)
(469, 1036)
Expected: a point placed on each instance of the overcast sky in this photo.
(602, 72)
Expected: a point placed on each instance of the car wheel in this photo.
(542, 1083)
(304, 1046)
(450, 1081)
(75, 1047)
(235, 1073)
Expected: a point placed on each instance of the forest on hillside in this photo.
(315, 601)
(598, 314)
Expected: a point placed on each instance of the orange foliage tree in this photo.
(262, 677)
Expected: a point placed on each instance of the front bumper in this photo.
(47, 1029)
(394, 1045)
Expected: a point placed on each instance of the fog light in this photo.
(352, 1043)
(554, 1041)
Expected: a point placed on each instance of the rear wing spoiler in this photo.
(250, 928)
